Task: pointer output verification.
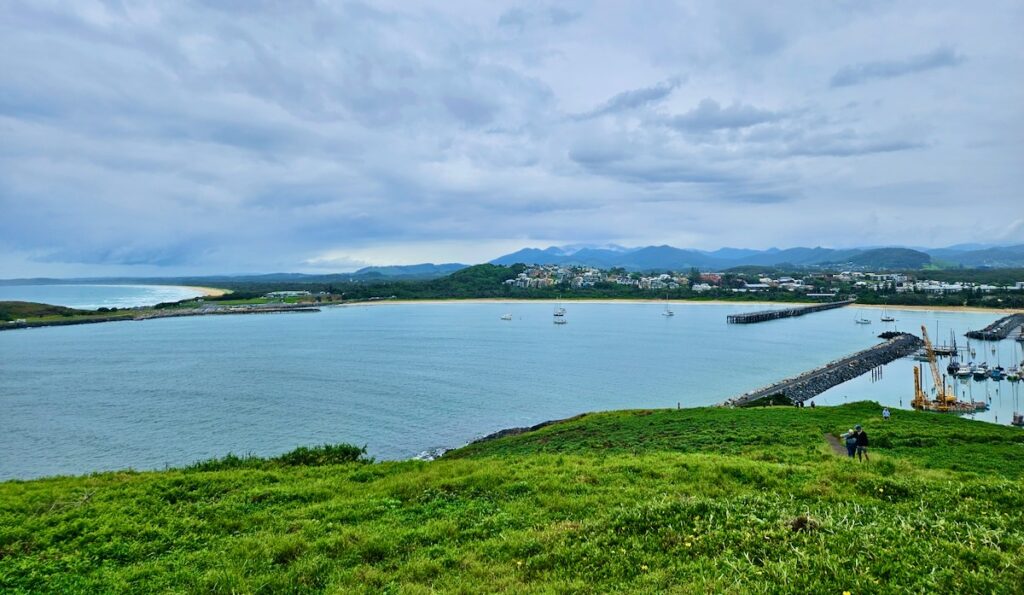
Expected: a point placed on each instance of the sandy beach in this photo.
(209, 291)
(936, 308)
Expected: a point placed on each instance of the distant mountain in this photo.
(995, 257)
(422, 271)
(653, 258)
(887, 259)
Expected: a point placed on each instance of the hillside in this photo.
(887, 259)
(699, 500)
(16, 310)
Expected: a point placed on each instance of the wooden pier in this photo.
(998, 330)
(765, 315)
(814, 382)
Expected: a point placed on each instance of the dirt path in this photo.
(837, 448)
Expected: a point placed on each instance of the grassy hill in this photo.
(16, 310)
(698, 500)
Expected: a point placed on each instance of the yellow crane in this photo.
(944, 401)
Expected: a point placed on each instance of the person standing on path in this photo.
(862, 443)
(850, 440)
(885, 414)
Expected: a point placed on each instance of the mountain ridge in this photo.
(672, 258)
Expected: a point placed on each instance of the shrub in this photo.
(326, 454)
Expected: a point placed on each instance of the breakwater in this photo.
(765, 315)
(816, 381)
(998, 330)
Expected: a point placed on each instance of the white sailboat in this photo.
(668, 311)
(507, 316)
(560, 315)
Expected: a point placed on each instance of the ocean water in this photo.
(404, 378)
(90, 297)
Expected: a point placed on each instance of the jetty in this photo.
(816, 381)
(765, 315)
(998, 330)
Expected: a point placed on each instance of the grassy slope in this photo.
(688, 501)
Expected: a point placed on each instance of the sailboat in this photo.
(507, 316)
(668, 311)
(1015, 372)
(862, 320)
(560, 315)
(886, 317)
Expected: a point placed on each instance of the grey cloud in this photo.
(709, 116)
(520, 19)
(172, 254)
(848, 144)
(634, 98)
(204, 137)
(855, 74)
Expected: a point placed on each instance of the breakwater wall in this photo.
(816, 381)
(765, 315)
(998, 330)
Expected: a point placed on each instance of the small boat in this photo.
(996, 373)
(963, 371)
(1013, 374)
(980, 371)
(862, 321)
(887, 317)
(668, 311)
(506, 317)
(1018, 420)
(560, 315)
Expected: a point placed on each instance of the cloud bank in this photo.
(195, 137)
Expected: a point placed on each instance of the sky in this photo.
(166, 138)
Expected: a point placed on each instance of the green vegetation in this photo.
(698, 500)
(35, 314)
(26, 310)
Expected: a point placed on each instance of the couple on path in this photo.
(857, 443)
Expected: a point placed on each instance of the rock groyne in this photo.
(998, 330)
(816, 381)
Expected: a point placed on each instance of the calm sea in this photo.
(403, 379)
(90, 297)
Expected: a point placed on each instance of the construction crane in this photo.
(943, 401)
(921, 400)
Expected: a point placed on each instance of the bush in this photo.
(327, 454)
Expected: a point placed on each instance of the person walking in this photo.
(885, 414)
(850, 440)
(862, 443)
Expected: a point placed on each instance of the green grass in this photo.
(690, 501)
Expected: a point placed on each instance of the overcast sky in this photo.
(243, 136)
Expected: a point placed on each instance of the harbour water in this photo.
(90, 297)
(407, 378)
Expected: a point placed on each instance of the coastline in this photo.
(208, 291)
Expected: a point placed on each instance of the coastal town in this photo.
(811, 284)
